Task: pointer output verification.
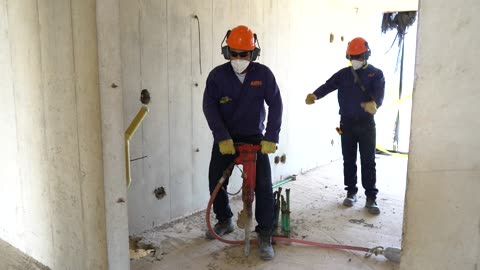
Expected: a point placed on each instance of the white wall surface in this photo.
(442, 217)
(51, 176)
(52, 197)
(161, 51)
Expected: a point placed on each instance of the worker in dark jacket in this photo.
(361, 89)
(234, 106)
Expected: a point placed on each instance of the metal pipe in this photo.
(288, 179)
(128, 135)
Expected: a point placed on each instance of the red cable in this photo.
(280, 239)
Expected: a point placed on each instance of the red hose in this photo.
(280, 239)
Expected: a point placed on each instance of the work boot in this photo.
(221, 228)
(372, 206)
(265, 246)
(350, 199)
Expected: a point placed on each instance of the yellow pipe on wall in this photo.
(128, 135)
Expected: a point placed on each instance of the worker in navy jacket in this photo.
(234, 105)
(361, 88)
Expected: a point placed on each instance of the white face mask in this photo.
(357, 64)
(239, 65)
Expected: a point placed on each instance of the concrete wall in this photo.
(165, 49)
(60, 99)
(110, 78)
(442, 220)
(51, 176)
(161, 51)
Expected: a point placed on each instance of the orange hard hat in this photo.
(358, 46)
(241, 38)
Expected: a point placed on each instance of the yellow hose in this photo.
(128, 135)
(391, 153)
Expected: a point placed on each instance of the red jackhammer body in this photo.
(248, 158)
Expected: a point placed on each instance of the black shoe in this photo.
(265, 246)
(221, 228)
(372, 206)
(350, 199)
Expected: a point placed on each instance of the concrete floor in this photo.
(317, 215)
(13, 259)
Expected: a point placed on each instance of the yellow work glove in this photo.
(226, 147)
(310, 99)
(370, 107)
(268, 147)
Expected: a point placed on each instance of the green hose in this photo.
(288, 179)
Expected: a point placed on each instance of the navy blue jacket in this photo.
(350, 95)
(233, 109)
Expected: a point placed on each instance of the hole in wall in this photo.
(160, 192)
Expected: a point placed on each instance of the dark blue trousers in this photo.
(361, 133)
(264, 202)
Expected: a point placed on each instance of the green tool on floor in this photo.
(282, 213)
(285, 206)
(276, 196)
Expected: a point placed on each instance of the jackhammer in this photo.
(247, 157)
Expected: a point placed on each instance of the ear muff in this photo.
(367, 54)
(226, 52)
(256, 52)
(225, 49)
